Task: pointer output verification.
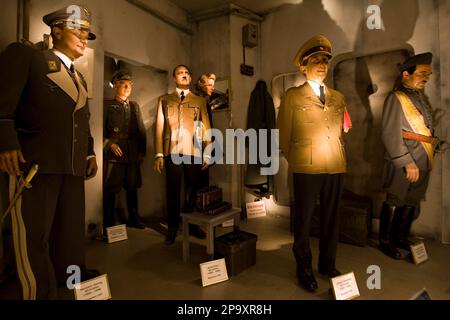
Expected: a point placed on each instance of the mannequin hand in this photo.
(412, 172)
(9, 162)
(158, 164)
(116, 150)
(91, 169)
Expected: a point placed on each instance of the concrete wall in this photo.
(444, 34)
(405, 22)
(126, 31)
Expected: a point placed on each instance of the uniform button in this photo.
(76, 126)
(326, 119)
(75, 140)
(329, 137)
(328, 128)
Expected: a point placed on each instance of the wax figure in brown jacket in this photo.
(407, 134)
(181, 129)
(44, 120)
(311, 121)
(124, 147)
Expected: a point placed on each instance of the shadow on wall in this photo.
(374, 76)
(148, 84)
(287, 29)
(290, 26)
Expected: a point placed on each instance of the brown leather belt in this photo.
(419, 137)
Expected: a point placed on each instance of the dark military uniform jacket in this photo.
(401, 151)
(189, 117)
(123, 125)
(43, 112)
(311, 133)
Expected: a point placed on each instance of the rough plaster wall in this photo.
(8, 25)
(405, 22)
(124, 31)
(444, 29)
(242, 87)
(211, 53)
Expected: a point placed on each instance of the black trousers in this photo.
(193, 181)
(53, 211)
(308, 188)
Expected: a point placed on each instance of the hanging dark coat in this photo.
(261, 115)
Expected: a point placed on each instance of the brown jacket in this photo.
(173, 117)
(311, 133)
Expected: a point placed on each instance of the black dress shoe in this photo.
(135, 223)
(306, 280)
(195, 231)
(170, 238)
(89, 274)
(332, 273)
(390, 250)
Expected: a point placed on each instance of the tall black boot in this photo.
(133, 218)
(406, 216)
(387, 229)
(109, 217)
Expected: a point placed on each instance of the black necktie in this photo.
(72, 74)
(322, 95)
(182, 96)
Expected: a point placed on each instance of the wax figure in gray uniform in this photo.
(407, 134)
(124, 147)
(311, 124)
(44, 120)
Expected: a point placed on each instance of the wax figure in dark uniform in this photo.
(311, 123)
(181, 127)
(205, 88)
(44, 120)
(407, 134)
(124, 147)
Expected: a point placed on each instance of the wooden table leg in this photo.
(210, 241)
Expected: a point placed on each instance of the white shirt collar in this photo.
(65, 59)
(316, 87)
(186, 92)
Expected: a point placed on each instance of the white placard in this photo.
(256, 209)
(419, 253)
(345, 287)
(94, 289)
(228, 223)
(117, 233)
(213, 272)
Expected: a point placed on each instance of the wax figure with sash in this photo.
(44, 120)
(408, 137)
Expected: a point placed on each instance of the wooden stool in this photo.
(209, 222)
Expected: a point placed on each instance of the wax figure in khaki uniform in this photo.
(181, 132)
(44, 120)
(312, 120)
(407, 134)
(124, 147)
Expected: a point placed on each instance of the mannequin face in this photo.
(123, 88)
(209, 87)
(317, 68)
(182, 78)
(419, 78)
(71, 42)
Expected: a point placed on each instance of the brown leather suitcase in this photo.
(208, 196)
